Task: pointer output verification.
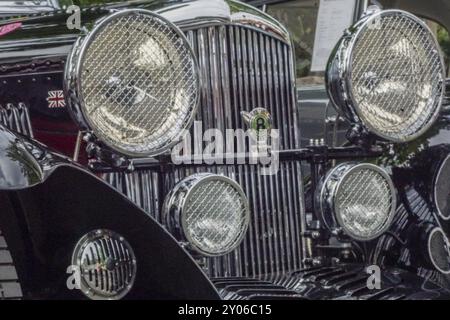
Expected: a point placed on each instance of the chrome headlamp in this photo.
(359, 199)
(133, 81)
(387, 74)
(436, 248)
(210, 212)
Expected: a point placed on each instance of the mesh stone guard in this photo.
(387, 74)
(359, 199)
(209, 212)
(133, 81)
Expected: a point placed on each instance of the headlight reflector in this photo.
(388, 74)
(134, 82)
(210, 212)
(359, 198)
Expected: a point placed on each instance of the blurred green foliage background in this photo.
(82, 2)
(307, 35)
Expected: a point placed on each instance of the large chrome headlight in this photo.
(387, 74)
(210, 212)
(133, 81)
(359, 199)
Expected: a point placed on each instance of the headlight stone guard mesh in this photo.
(364, 203)
(210, 212)
(137, 82)
(359, 199)
(388, 74)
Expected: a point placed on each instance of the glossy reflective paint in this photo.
(36, 188)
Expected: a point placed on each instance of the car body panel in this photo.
(43, 216)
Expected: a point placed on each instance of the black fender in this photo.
(49, 203)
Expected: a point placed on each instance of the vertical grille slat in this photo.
(279, 245)
(286, 195)
(267, 223)
(242, 69)
(257, 189)
(297, 193)
(286, 102)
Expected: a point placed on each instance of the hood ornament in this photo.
(259, 122)
(258, 119)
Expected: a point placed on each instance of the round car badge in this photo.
(260, 122)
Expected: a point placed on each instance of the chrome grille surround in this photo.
(107, 265)
(388, 75)
(210, 212)
(134, 82)
(360, 199)
(242, 68)
(439, 250)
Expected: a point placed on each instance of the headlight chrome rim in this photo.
(330, 187)
(340, 70)
(174, 213)
(74, 90)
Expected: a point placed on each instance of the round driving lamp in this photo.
(434, 248)
(208, 212)
(133, 82)
(358, 199)
(439, 250)
(387, 75)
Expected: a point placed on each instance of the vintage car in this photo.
(115, 185)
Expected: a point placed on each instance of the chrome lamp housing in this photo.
(107, 265)
(133, 83)
(357, 200)
(438, 250)
(387, 75)
(209, 213)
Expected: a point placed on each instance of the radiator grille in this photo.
(243, 69)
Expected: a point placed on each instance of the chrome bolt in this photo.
(315, 234)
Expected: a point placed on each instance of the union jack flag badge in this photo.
(56, 99)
